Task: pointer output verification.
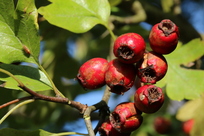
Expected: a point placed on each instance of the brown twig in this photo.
(100, 105)
(15, 101)
(77, 105)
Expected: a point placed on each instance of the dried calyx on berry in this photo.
(152, 67)
(163, 37)
(126, 117)
(120, 76)
(91, 74)
(129, 47)
(149, 98)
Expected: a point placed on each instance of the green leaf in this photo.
(182, 83)
(18, 29)
(15, 132)
(28, 26)
(114, 2)
(31, 77)
(77, 15)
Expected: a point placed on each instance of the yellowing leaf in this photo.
(187, 111)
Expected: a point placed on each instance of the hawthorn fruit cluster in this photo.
(132, 61)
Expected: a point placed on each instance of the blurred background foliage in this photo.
(62, 53)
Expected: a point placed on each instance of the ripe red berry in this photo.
(107, 129)
(162, 125)
(152, 67)
(91, 74)
(126, 118)
(120, 76)
(163, 37)
(149, 98)
(187, 126)
(129, 47)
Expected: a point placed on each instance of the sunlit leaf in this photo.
(182, 83)
(114, 2)
(31, 77)
(76, 15)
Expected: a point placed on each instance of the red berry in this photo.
(152, 67)
(187, 126)
(163, 37)
(106, 129)
(91, 74)
(149, 98)
(129, 47)
(126, 118)
(120, 76)
(162, 125)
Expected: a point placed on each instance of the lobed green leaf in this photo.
(182, 83)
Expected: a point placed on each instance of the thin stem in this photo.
(57, 92)
(106, 95)
(68, 133)
(11, 75)
(111, 32)
(14, 108)
(87, 120)
(15, 101)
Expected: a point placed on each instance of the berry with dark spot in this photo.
(149, 98)
(120, 76)
(129, 47)
(152, 67)
(163, 37)
(126, 117)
